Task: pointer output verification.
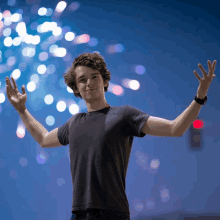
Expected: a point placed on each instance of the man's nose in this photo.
(90, 82)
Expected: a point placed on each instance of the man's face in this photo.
(89, 83)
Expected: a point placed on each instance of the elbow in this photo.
(174, 131)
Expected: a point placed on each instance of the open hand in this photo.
(15, 97)
(205, 82)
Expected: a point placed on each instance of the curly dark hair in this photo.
(93, 60)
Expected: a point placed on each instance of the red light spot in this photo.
(198, 124)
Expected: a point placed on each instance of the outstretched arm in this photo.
(183, 121)
(176, 128)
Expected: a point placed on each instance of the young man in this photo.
(100, 140)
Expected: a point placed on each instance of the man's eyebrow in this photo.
(84, 75)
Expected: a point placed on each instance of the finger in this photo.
(213, 65)
(202, 70)
(14, 83)
(8, 93)
(23, 90)
(10, 88)
(197, 76)
(210, 66)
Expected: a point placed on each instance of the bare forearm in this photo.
(36, 129)
(183, 121)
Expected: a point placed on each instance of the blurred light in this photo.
(20, 131)
(11, 61)
(150, 204)
(45, 27)
(13, 174)
(8, 41)
(84, 38)
(28, 52)
(74, 109)
(7, 21)
(60, 6)
(2, 97)
(41, 69)
(23, 162)
(74, 6)
(28, 39)
(134, 84)
(155, 164)
(57, 31)
(69, 89)
(48, 99)
(69, 36)
(53, 25)
(42, 11)
(35, 39)
(164, 193)
(50, 120)
(22, 66)
(34, 26)
(43, 56)
(119, 48)
(68, 57)
(1, 16)
(61, 106)
(31, 86)
(21, 29)
(11, 2)
(198, 124)
(3, 68)
(51, 69)
(34, 78)
(60, 52)
(16, 74)
(39, 28)
(93, 42)
(7, 32)
(49, 12)
(16, 41)
(53, 48)
(16, 17)
(1, 24)
(115, 48)
(140, 69)
(41, 159)
(117, 90)
(6, 14)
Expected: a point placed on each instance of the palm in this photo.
(15, 97)
(18, 98)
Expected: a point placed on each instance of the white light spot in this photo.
(31, 86)
(69, 36)
(41, 69)
(61, 106)
(8, 41)
(42, 11)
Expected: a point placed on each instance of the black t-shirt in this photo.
(100, 144)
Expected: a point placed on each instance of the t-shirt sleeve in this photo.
(135, 119)
(63, 133)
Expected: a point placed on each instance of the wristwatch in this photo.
(201, 101)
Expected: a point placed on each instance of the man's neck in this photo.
(91, 108)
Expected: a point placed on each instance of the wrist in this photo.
(200, 96)
(21, 110)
